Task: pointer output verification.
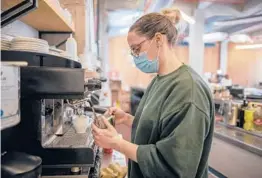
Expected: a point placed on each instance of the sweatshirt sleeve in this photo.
(178, 152)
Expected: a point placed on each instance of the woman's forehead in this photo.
(134, 39)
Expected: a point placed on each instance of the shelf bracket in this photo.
(53, 38)
(19, 10)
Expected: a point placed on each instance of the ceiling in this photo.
(112, 5)
(227, 17)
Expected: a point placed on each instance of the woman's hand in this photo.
(105, 138)
(108, 138)
(120, 116)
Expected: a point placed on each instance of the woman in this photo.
(173, 126)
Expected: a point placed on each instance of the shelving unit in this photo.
(47, 17)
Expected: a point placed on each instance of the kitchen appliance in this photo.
(14, 164)
(237, 91)
(231, 113)
(49, 86)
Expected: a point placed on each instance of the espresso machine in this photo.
(52, 92)
(13, 163)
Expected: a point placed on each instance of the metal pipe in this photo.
(251, 29)
(98, 26)
(239, 21)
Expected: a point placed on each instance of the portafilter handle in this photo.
(97, 109)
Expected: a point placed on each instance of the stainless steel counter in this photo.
(239, 138)
(236, 153)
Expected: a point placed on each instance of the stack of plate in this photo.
(5, 43)
(54, 51)
(29, 44)
(66, 55)
(59, 52)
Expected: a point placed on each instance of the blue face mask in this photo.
(145, 65)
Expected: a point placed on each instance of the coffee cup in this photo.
(81, 123)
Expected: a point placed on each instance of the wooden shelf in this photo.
(47, 17)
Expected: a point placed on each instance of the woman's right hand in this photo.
(120, 116)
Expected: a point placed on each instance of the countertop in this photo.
(235, 136)
(119, 158)
(239, 137)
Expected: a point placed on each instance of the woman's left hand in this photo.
(105, 138)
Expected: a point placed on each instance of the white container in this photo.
(81, 123)
(71, 47)
(10, 95)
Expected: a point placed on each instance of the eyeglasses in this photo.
(136, 50)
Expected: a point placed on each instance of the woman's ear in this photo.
(159, 39)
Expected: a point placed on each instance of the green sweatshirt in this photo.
(173, 127)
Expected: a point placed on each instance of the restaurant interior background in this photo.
(231, 44)
(220, 39)
(243, 65)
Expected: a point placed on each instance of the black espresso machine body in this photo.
(45, 130)
(14, 164)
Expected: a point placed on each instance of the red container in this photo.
(108, 150)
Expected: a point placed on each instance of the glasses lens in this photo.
(136, 50)
(133, 52)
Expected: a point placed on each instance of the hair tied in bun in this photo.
(172, 14)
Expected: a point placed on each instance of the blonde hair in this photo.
(173, 14)
(163, 22)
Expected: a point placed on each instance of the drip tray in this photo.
(67, 157)
(71, 139)
(69, 150)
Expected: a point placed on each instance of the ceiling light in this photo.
(253, 46)
(214, 37)
(239, 21)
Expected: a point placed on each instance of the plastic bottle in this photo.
(249, 118)
(241, 114)
(71, 47)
